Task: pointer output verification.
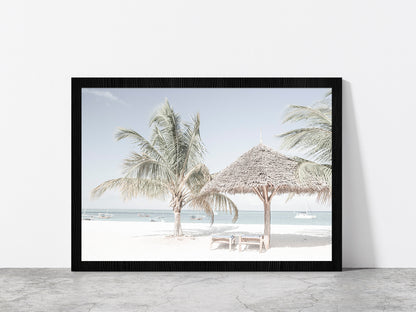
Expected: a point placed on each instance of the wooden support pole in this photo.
(267, 227)
(263, 193)
(258, 193)
(267, 217)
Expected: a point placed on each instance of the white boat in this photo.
(105, 215)
(157, 219)
(197, 217)
(140, 214)
(87, 217)
(305, 215)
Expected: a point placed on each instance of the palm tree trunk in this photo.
(177, 224)
(267, 217)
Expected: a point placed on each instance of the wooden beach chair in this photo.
(251, 239)
(223, 238)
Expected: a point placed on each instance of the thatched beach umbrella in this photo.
(264, 172)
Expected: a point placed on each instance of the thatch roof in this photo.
(262, 166)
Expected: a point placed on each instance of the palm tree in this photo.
(314, 140)
(170, 164)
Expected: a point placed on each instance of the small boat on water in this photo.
(305, 215)
(197, 217)
(87, 217)
(157, 219)
(103, 215)
(141, 214)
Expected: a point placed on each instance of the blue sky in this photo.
(231, 123)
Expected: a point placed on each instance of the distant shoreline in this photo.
(184, 210)
(195, 216)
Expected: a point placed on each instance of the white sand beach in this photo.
(152, 241)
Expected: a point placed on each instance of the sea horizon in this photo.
(195, 216)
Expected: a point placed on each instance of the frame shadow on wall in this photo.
(358, 242)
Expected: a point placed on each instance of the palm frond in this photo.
(196, 178)
(314, 117)
(193, 147)
(315, 142)
(204, 205)
(169, 124)
(144, 145)
(158, 140)
(290, 196)
(132, 187)
(309, 170)
(143, 166)
(216, 201)
(328, 93)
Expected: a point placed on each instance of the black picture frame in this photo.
(335, 265)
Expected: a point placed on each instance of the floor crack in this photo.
(243, 304)
(93, 305)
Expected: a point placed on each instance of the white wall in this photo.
(369, 43)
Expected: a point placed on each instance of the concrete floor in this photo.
(353, 290)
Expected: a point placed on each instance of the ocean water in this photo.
(192, 216)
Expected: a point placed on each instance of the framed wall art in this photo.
(206, 174)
